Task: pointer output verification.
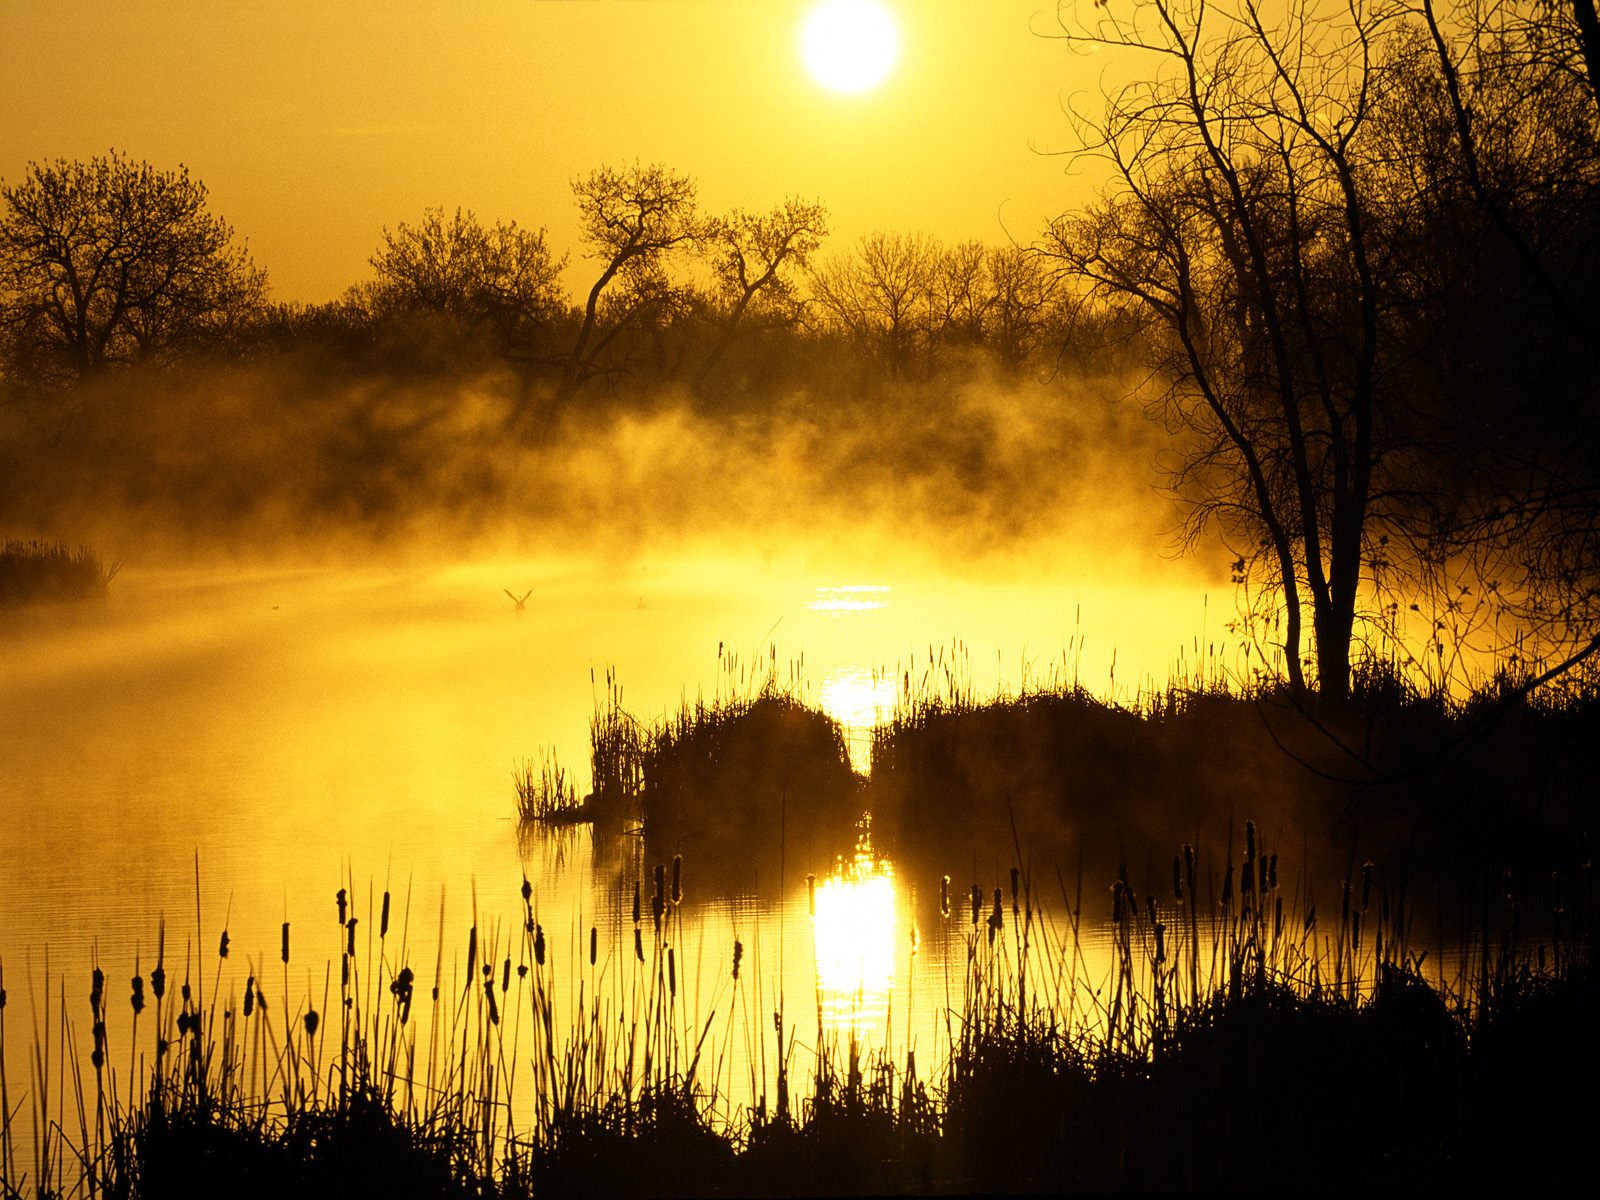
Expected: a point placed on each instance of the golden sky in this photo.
(315, 123)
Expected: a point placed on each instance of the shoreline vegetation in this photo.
(1234, 1041)
(1435, 787)
(39, 572)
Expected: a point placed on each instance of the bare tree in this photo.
(881, 293)
(632, 219)
(755, 259)
(1236, 226)
(112, 261)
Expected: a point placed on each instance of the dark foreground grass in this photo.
(38, 572)
(1232, 1043)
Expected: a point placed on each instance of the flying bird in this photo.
(520, 601)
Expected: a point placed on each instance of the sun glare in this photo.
(853, 922)
(849, 46)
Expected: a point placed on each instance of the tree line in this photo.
(113, 263)
(1355, 245)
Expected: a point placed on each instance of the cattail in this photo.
(944, 896)
(677, 879)
(505, 976)
(1177, 878)
(738, 953)
(1161, 943)
(311, 1022)
(339, 898)
(472, 953)
(1277, 918)
(1150, 907)
(527, 890)
(137, 999)
(538, 944)
(977, 904)
(284, 952)
(635, 901)
(638, 945)
(97, 987)
(811, 894)
(594, 944)
(158, 981)
(222, 946)
(383, 919)
(1015, 875)
(916, 941)
(184, 991)
(661, 887)
(350, 937)
(249, 996)
(522, 968)
(1247, 878)
(1188, 866)
(494, 1011)
(344, 970)
(672, 972)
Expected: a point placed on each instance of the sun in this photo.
(849, 46)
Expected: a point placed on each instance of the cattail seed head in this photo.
(350, 937)
(527, 890)
(594, 944)
(311, 1022)
(811, 894)
(158, 981)
(677, 879)
(284, 952)
(250, 996)
(1177, 878)
(340, 899)
(136, 999)
(538, 944)
(636, 909)
(222, 945)
(472, 953)
(672, 971)
(383, 919)
(944, 896)
(638, 945)
(738, 953)
(505, 975)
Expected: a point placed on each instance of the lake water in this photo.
(249, 742)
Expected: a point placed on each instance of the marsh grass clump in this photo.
(36, 572)
(548, 796)
(742, 772)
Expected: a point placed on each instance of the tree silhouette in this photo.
(631, 219)
(500, 279)
(1237, 228)
(755, 259)
(112, 261)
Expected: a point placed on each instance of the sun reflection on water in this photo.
(852, 597)
(853, 927)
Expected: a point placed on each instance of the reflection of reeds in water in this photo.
(1233, 1039)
